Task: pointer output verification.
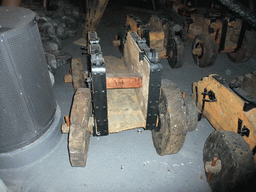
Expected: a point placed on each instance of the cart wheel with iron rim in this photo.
(204, 50)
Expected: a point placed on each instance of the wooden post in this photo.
(95, 10)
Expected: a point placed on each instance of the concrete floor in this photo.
(125, 161)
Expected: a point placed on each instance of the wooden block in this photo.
(68, 78)
(161, 52)
(124, 81)
(156, 39)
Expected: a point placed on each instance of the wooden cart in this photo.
(231, 109)
(216, 33)
(126, 94)
(161, 34)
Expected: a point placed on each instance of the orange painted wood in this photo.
(123, 81)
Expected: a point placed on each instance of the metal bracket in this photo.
(242, 131)
(153, 95)
(249, 100)
(212, 98)
(98, 81)
(223, 34)
(151, 54)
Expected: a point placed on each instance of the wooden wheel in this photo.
(243, 54)
(175, 52)
(237, 169)
(80, 128)
(204, 50)
(172, 128)
(192, 113)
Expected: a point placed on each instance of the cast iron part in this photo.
(212, 98)
(223, 35)
(241, 36)
(242, 131)
(154, 82)
(254, 151)
(151, 54)
(99, 92)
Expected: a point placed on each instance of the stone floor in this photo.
(125, 161)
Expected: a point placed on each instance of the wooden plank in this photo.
(77, 73)
(224, 114)
(134, 65)
(132, 23)
(80, 132)
(124, 110)
(126, 80)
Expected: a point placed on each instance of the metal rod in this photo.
(214, 160)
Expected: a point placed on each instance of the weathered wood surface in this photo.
(224, 114)
(156, 39)
(132, 24)
(134, 65)
(114, 80)
(118, 76)
(124, 110)
(80, 130)
(202, 25)
(77, 73)
(95, 10)
(123, 81)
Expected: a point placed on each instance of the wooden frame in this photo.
(224, 113)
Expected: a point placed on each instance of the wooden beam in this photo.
(124, 80)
